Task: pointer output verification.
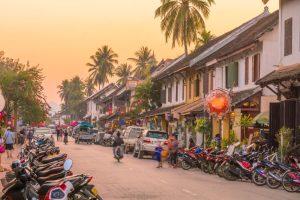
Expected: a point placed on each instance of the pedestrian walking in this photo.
(66, 136)
(173, 151)
(30, 136)
(57, 133)
(158, 154)
(9, 141)
(22, 136)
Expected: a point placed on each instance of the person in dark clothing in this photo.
(117, 143)
(65, 136)
(173, 151)
(57, 133)
(191, 143)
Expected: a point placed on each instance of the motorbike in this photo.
(118, 153)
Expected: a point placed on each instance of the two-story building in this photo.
(284, 80)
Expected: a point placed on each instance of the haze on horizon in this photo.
(61, 35)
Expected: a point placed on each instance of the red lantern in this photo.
(218, 103)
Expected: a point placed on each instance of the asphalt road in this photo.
(137, 179)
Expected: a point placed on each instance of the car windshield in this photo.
(42, 131)
(135, 132)
(157, 135)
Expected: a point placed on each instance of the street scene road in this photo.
(137, 179)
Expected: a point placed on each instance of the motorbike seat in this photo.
(47, 172)
(48, 160)
(41, 180)
(47, 186)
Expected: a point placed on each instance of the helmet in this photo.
(15, 164)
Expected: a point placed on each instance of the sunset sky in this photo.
(60, 35)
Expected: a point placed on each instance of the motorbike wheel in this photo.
(227, 174)
(288, 181)
(219, 171)
(211, 167)
(272, 182)
(185, 165)
(204, 166)
(258, 179)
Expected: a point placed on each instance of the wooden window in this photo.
(212, 77)
(288, 36)
(197, 87)
(183, 89)
(205, 83)
(232, 75)
(170, 94)
(246, 70)
(190, 88)
(256, 67)
(163, 96)
(176, 97)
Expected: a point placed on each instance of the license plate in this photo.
(94, 191)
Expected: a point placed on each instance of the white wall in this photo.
(288, 9)
(181, 98)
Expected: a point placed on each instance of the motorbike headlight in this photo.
(57, 194)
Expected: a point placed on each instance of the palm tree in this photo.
(144, 60)
(204, 38)
(265, 1)
(64, 90)
(123, 72)
(89, 87)
(102, 66)
(180, 19)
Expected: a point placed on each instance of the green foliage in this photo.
(202, 125)
(245, 121)
(102, 65)
(245, 141)
(208, 141)
(71, 93)
(22, 88)
(232, 137)
(287, 140)
(213, 145)
(181, 19)
(147, 95)
(124, 71)
(1, 131)
(89, 87)
(203, 38)
(224, 143)
(144, 60)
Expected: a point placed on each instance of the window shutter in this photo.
(246, 70)
(163, 96)
(176, 91)
(232, 75)
(170, 94)
(205, 83)
(288, 36)
(183, 89)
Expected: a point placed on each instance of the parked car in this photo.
(83, 134)
(147, 141)
(130, 136)
(43, 131)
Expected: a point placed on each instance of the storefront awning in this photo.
(262, 118)
(238, 97)
(283, 73)
(186, 109)
(159, 111)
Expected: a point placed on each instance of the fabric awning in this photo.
(186, 109)
(283, 73)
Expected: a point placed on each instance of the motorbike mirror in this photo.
(68, 164)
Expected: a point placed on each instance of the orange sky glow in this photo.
(61, 35)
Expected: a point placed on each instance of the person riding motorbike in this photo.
(117, 150)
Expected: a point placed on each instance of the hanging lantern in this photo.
(218, 103)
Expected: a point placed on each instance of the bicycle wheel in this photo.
(291, 181)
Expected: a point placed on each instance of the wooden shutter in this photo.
(176, 91)
(170, 94)
(246, 70)
(288, 36)
(255, 67)
(232, 75)
(190, 88)
(297, 121)
(275, 122)
(163, 96)
(211, 87)
(205, 83)
(183, 89)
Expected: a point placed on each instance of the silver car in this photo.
(131, 133)
(148, 141)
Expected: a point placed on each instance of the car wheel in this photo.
(135, 154)
(140, 154)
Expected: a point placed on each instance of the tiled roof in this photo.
(281, 74)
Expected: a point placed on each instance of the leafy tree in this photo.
(181, 19)
(23, 91)
(286, 143)
(64, 90)
(203, 126)
(102, 65)
(124, 71)
(144, 59)
(147, 95)
(89, 87)
(203, 38)
(245, 122)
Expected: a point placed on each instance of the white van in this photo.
(130, 137)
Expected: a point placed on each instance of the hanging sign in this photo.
(2, 101)
(218, 103)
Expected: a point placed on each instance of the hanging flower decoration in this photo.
(218, 103)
